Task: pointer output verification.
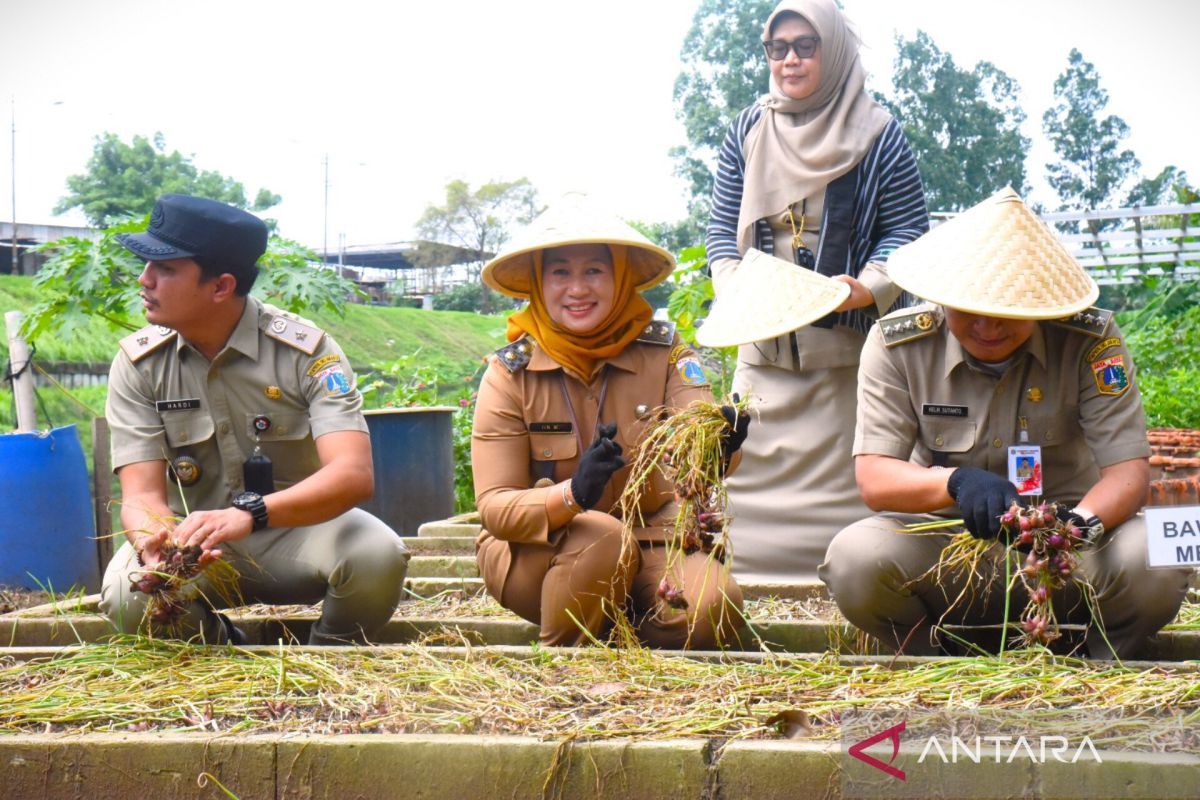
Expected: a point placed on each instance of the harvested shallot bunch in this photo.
(1051, 549)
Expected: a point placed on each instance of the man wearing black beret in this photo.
(238, 428)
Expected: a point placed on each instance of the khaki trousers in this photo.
(879, 576)
(794, 488)
(354, 563)
(572, 587)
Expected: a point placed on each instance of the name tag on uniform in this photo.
(1025, 468)
(934, 410)
(550, 427)
(177, 405)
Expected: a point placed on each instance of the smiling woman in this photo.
(559, 409)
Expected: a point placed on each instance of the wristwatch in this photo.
(253, 502)
(1092, 526)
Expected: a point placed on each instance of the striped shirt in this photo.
(889, 205)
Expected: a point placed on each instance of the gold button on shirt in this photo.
(231, 391)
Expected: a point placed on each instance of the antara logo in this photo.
(892, 733)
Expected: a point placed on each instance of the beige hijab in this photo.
(797, 147)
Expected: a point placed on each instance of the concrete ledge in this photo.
(463, 545)
(447, 766)
(448, 528)
(135, 765)
(782, 636)
(442, 567)
(56, 631)
(425, 588)
(420, 767)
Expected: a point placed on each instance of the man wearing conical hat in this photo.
(560, 408)
(1006, 388)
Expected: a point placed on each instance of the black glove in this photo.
(1089, 529)
(596, 466)
(983, 497)
(734, 436)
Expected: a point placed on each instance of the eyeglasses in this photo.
(803, 47)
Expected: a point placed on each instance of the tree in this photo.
(479, 221)
(123, 180)
(1167, 187)
(1091, 168)
(964, 125)
(724, 70)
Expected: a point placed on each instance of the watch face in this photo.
(246, 498)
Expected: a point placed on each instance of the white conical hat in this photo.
(767, 297)
(998, 259)
(575, 220)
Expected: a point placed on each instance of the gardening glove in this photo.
(734, 436)
(1089, 530)
(596, 466)
(983, 497)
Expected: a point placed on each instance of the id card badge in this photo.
(1025, 468)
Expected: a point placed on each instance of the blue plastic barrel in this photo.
(47, 527)
(413, 454)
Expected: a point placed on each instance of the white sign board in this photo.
(1173, 535)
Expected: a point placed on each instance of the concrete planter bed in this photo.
(413, 721)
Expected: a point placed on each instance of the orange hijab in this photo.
(580, 353)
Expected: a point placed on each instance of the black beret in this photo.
(182, 226)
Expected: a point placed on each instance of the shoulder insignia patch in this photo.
(909, 325)
(516, 355)
(140, 344)
(691, 371)
(658, 332)
(1092, 321)
(1110, 375)
(302, 335)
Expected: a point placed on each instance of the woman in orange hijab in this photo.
(559, 408)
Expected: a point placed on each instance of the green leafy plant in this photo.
(404, 383)
(1163, 337)
(687, 307)
(90, 278)
(464, 481)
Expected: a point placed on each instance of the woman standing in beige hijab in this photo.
(815, 172)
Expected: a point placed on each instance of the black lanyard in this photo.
(562, 383)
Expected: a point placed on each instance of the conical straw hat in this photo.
(768, 297)
(575, 220)
(997, 259)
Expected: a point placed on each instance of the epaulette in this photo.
(516, 356)
(658, 332)
(1092, 321)
(139, 345)
(909, 325)
(290, 329)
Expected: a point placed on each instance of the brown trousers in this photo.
(572, 587)
(880, 577)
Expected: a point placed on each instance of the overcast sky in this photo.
(404, 96)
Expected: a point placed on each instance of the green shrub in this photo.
(1164, 340)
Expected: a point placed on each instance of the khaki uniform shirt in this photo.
(533, 421)
(1072, 383)
(166, 401)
